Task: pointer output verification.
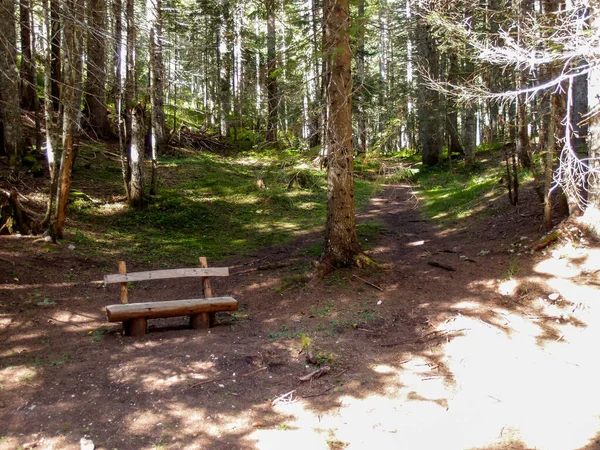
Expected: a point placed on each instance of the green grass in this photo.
(207, 204)
(458, 193)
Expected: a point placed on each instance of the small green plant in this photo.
(305, 341)
(98, 334)
(63, 359)
(513, 268)
(284, 333)
(47, 301)
(282, 427)
(322, 311)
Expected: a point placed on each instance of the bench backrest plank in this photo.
(167, 273)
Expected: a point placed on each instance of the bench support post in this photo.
(135, 327)
(202, 320)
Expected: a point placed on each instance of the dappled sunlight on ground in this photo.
(495, 382)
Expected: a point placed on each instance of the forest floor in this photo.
(499, 353)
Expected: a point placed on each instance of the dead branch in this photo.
(426, 338)
(441, 266)
(287, 397)
(320, 393)
(367, 282)
(214, 380)
(546, 241)
(315, 374)
(265, 267)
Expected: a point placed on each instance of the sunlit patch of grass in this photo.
(456, 194)
(207, 204)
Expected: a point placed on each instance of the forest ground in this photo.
(499, 353)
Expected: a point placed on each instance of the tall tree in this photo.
(51, 122)
(73, 16)
(157, 120)
(341, 241)
(28, 83)
(95, 89)
(272, 73)
(428, 116)
(591, 215)
(10, 113)
(56, 75)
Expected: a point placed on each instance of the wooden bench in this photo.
(200, 310)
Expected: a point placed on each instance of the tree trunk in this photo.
(158, 140)
(428, 116)
(56, 58)
(28, 82)
(10, 113)
(50, 120)
(341, 241)
(95, 95)
(71, 101)
(272, 95)
(591, 216)
(360, 90)
(136, 157)
(454, 146)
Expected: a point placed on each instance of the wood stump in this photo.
(135, 327)
(202, 320)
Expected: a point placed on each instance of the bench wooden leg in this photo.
(202, 320)
(135, 327)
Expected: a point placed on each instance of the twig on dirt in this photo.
(367, 282)
(425, 338)
(214, 380)
(441, 266)
(287, 398)
(366, 331)
(326, 391)
(249, 263)
(546, 241)
(265, 267)
(315, 374)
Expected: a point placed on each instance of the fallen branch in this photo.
(368, 282)
(320, 393)
(265, 267)
(316, 374)
(250, 263)
(546, 241)
(441, 266)
(214, 380)
(425, 338)
(287, 397)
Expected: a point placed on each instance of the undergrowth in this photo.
(207, 204)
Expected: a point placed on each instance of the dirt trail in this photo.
(497, 353)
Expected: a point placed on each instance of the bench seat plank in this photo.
(167, 273)
(170, 308)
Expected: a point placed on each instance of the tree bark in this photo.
(71, 100)
(28, 82)
(95, 90)
(158, 140)
(360, 90)
(341, 241)
(136, 157)
(272, 95)
(56, 43)
(591, 216)
(50, 120)
(428, 116)
(10, 113)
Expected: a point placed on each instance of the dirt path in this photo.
(421, 357)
